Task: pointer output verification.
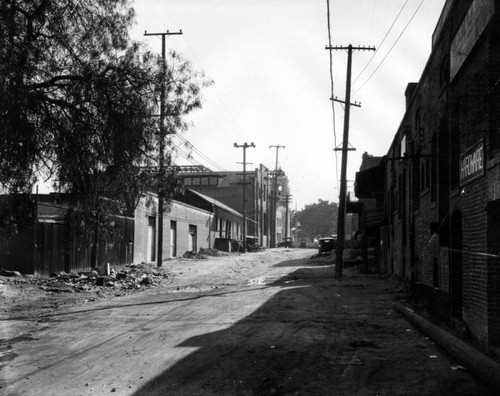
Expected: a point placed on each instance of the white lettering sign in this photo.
(472, 164)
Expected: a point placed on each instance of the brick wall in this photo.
(443, 119)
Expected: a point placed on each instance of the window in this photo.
(204, 181)
(188, 181)
(444, 73)
(196, 181)
(173, 238)
(402, 147)
(435, 272)
(213, 181)
(418, 124)
(432, 166)
(192, 239)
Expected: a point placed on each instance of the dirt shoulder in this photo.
(30, 296)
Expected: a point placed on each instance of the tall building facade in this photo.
(441, 176)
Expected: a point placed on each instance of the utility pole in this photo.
(287, 202)
(161, 148)
(275, 197)
(244, 146)
(345, 149)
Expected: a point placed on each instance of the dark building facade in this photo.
(442, 172)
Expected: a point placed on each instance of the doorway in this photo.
(173, 239)
(456, 265)
(151, 244)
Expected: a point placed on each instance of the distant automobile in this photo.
(285, 243)
(326, 245)
(302, 244)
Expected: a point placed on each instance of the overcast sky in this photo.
(272, 80)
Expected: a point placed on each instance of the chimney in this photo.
(410, 89)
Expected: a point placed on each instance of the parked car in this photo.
(285, 243)
(302, 244)
(326, 245)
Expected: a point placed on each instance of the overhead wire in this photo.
(381, 42)
(187, 144)
(390, 50)
(190, 146)
(332, 93)
(223, 109)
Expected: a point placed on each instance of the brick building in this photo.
(227, 188)
(370, 208)
(442, 172)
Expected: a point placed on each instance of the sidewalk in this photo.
(387, 343)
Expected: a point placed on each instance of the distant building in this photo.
(227, 187)
(369, 188)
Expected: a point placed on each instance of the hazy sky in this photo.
(272, 81)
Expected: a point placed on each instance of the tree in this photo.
(318, 219)
(79, 101)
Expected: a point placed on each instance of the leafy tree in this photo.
(79, 101)
(318, 219)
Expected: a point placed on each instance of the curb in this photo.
(477, 363)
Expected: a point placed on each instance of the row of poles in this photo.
(244, 146)
(343, 173)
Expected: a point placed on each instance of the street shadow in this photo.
(278, 349)
(314, 260)
(316, 336)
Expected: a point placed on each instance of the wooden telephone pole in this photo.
(161, 148)
(244, 146)
(345, 149)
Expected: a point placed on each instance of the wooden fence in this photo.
(67, 244)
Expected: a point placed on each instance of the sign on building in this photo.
(472, 163)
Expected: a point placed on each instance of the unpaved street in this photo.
(274, 322)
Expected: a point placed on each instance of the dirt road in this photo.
(274, 322)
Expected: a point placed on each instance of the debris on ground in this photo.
(203, 253)
(127, 278)
(191, 254)
(212, 252)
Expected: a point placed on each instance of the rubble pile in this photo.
(131, 277)
(212, 252)
(203, 253)
(191, 254)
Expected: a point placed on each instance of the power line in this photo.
(191, 146)
(390, 50)
(381, 42)
(332, 94)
